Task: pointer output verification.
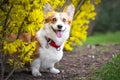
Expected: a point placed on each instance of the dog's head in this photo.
(58, 23)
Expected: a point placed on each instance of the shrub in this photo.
(110, 71)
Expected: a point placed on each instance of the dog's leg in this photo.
(35, 66)
(54, 70)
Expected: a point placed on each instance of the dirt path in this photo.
(76, 65)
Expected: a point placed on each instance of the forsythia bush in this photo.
(17, 16)
(80, 23)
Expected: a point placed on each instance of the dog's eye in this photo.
(64, 20)
(54, 19)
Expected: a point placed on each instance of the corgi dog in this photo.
(51, 38)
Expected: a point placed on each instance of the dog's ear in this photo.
(47, 8)
(70, 10)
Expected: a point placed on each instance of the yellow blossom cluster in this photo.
(80, 23)
(20, 51)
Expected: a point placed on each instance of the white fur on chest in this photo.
(49, 56)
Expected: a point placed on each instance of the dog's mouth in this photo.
(58, 32)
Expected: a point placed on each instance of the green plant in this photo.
(110, 71)
(100, 38)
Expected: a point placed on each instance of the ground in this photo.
(78, 64)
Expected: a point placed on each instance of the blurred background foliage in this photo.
(106, 27)
(107, 19)
(105, 30)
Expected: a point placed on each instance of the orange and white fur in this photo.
(56, 30)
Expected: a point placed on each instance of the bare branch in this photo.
(2, 45)
(13, 70)
(92, 1)
(66, 3)
(5, 24)
(20, 29)
(81, 2)
(2, 65)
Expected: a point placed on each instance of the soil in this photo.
(78, 64)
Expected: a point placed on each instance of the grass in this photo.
(110, 71)
(108, 38)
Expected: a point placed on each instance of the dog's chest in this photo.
(50, 56)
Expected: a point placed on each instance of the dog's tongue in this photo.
(59, 34)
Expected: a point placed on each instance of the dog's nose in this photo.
(59, 26)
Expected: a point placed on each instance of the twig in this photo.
(3, 38)
(1, 3)
(92, 1)
(2, 65)
(15, 67)
(81, 2)
(5, 25)
(2, 8)
(20, 29)
(78, 7)
(13, 70)
(66, 3)
(6, 20)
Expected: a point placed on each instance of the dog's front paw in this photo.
(36, 73)
(54, 71)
